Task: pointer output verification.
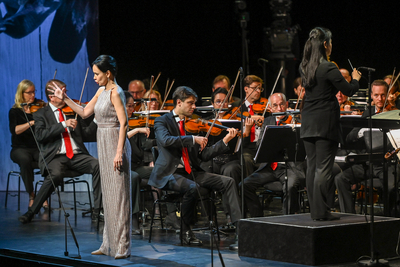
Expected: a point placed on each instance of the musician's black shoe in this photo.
(235, 246)
(97, 214)
(188, 238)
(173, 221)
(27, 217)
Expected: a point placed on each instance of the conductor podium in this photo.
(298, 239)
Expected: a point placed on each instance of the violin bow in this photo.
(55, 73)
(234, 85)
(166, 95)
(236, 111)
(83, 88)
(158, 76)
(165, 92)
(273, 89)
(147, 104)
(297, 103)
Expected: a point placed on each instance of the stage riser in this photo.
(298, 239)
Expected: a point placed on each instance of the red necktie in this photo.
(185, 155)
(274, 165)
(253, 128)
(67, 140)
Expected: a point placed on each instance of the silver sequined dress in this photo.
(115, 185)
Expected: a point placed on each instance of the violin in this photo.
(285, 120)
(68, 111)
(169, 105)
(263, 100)
(388, 107)
(389, 155)
(195, 126)
(38, 104)
(138, 122)
(234, 114)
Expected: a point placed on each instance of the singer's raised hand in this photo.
(57, 91)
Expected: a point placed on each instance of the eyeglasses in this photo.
(130, 106)
(137, 92)
(30, 93)
(218, 102)
(274, 106)
(258, 88)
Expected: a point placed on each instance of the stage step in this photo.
(298, 239)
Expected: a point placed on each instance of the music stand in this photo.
(280, 144)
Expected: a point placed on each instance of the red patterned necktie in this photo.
(185, 155)
(253, 128)
(67, 140)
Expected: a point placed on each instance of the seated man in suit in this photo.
(253, 87)
(350, 177)
(61, 142)
(271, 172)
(173, 145)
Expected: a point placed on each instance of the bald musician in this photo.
(270, 172)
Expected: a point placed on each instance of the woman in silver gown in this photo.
(114, 155)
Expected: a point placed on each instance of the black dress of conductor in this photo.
(320, 128)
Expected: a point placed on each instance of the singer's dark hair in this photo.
(105, 63)
(380, 83)
(217, 91)
(182, 93)
(314, 52)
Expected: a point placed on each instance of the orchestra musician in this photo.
(270, 172)
(137, 89)
(24, 150)
(298, 88)
(253, 86)
(348, 179)
(61, 141)
(320, 129)
(176, 148)
(226, 164)
(344, 102)
(142, 163)
(221, 81)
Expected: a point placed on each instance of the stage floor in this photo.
(47, 239)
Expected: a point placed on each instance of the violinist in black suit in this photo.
(320, 126)
(272, 171)
(354, 174)
(61, 142)
(178, 149)
(253, 86)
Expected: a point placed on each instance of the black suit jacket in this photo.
(169, 143)
(48, 133)
(320, 116)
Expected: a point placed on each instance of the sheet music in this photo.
(394, 138)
